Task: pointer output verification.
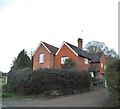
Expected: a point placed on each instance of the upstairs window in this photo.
(63, 60)
(41, 58)
(86, 60)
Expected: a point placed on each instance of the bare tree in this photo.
(96, 46)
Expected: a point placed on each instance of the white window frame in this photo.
(63, 59)
(86, 60)
(41, 58)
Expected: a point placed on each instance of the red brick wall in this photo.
(103, 61)
(65, 51)
(82, 65)
(48, 59)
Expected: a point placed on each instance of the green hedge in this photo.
(63, 81)
(113, 80)
(16, 78)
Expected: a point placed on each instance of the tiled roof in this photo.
(52, 48)
(96, 57)
(79, 51)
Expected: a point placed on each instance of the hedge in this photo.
(63, 81)
(113, 80)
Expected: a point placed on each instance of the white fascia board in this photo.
(68, 47)
(60, 48)
(39, 46)
(36, 49)
(71, 49)
(46, 47)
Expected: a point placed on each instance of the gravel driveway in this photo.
(95, 98)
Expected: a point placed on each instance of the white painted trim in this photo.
(60, 48)
(36, 49)
(39, 46)
(64, 43)
(46, 47)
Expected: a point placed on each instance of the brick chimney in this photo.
(80, 43)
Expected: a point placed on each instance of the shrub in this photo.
(49, 81)
(16, 79)
(64, 81)
(69, 64)
(113, 80)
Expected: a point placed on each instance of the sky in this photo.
(24, 23)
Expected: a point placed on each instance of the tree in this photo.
(113, 79)
(96, 46)
(112, 53)
(22, 61)
(69, 64)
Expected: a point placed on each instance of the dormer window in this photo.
(41, 58)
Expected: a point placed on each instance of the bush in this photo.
(50, 81)
(64, 81)
(16, 79)
(69, 64)
(113, 80)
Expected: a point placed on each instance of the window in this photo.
(101, 65)
(104, 67)
(41, 58)
(86, 60)
(63, 60)
(91, 73)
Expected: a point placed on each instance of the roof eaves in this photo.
(64, 43)
(39, 46)
(46, 47)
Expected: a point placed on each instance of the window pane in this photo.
(86, 60)
(91, 73)
(41, 58)
(63, 60)
(101, 65)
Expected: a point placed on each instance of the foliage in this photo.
(69, 64)
(22, 61)
(49, 81)
(113, 79)
(16, 78)
(96, 46)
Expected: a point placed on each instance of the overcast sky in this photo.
(24, 23)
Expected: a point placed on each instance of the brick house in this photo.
(49, 56)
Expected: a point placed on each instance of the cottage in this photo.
(49, 56)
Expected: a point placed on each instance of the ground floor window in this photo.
(63, 59)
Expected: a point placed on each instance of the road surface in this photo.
(94, 98)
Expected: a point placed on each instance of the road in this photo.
(94, 98)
